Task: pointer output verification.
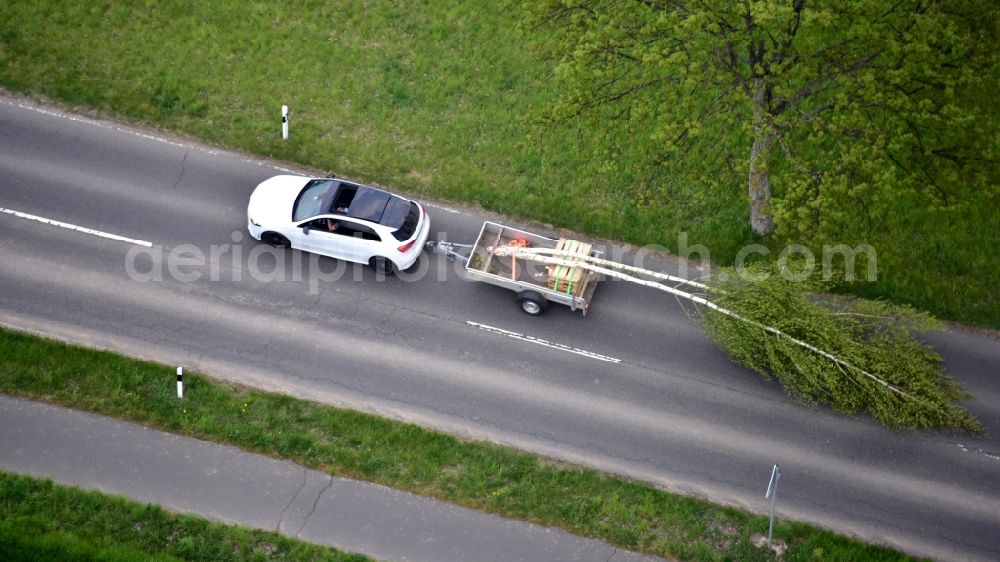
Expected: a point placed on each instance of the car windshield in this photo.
(316, 198)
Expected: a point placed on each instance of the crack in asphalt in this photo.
(305, 521)
(295, 496)
(180, 178)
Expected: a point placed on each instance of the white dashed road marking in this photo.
(546, 343)
(447, 209)
(82, 229)
(980, 451)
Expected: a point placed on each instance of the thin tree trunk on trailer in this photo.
(761, 220)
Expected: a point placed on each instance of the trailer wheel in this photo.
(532, 303)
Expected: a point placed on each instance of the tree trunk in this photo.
(761, 220)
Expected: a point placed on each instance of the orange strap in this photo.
(513, 260)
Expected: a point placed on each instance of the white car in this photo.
(339, 219)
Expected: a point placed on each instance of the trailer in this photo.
(535, 285)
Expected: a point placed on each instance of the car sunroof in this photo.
(368, 204)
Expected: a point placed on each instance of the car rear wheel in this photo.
(275, 239)
(382, 265)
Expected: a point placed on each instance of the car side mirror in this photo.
(305, 229)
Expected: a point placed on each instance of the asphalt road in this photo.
(635, 387)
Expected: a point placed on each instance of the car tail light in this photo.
(406, 247)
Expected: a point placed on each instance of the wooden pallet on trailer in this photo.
(566, 279)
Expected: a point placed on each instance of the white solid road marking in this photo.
(546, 343)
(142, 135)
(82, 229)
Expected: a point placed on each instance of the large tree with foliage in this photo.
(840, 106)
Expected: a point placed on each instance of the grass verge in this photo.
(41, 521)
(346, 443)
(433, 98)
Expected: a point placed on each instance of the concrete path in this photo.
(233, 486)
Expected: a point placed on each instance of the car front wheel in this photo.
(275, 239)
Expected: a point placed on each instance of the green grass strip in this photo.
(346, 443)
(41, 521)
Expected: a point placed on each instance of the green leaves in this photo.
(883, 370)
(877, 123)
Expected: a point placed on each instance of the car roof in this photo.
(356, 201)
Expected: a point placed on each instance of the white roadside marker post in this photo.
(284, 122)
(772, 492)
(180, 382)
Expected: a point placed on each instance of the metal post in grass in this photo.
(284, 122)
(180, 382)
(772, 492)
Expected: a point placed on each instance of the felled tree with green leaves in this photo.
(862, 356)
(853, 355)
(839, 108)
